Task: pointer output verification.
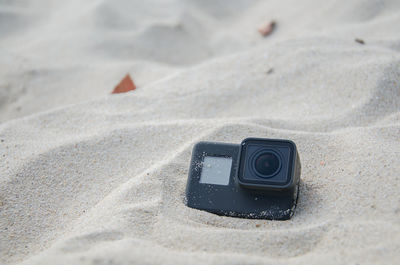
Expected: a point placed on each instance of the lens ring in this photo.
(266, 163)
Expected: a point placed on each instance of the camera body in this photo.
(257, 179)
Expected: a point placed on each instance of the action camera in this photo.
(257, 179)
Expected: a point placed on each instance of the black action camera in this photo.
(257, 179)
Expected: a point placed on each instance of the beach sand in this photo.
(90, 177)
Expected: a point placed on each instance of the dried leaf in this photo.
(125, 85)
(267, 28)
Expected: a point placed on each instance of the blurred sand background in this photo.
(87, 177)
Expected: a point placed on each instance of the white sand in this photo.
(92, 178)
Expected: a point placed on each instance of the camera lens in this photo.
(267, 164)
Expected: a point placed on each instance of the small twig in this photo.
(270, 71)
(361, 41)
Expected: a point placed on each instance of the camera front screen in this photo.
(216, 170)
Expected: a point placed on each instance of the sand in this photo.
(87, 177)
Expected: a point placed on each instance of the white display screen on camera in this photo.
(216, 170)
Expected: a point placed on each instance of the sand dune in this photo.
(87, 177)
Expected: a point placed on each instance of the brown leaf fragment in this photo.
(267, 28)
(361, 41)
(125, 85)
